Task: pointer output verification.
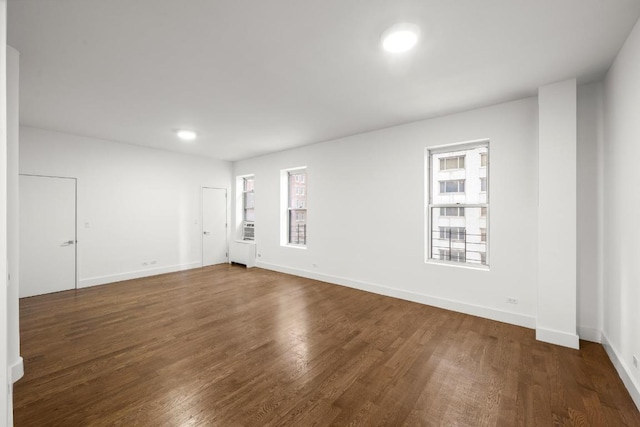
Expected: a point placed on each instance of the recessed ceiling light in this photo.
(186, 135)
(400, 37)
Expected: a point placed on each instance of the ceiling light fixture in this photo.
(186, 135)
(400, 37)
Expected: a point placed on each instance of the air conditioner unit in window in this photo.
(248, 229)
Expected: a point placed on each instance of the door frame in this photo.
(75, 219)
(226, 218)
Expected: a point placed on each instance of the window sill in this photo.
(248, 242)
(456, 264)
(288, 245)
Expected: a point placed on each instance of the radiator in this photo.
(243, 252)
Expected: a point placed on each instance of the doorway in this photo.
(47, 234)
(214, 226)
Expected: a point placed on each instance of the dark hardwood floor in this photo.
(229, 346)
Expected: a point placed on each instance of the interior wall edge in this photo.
(561, 338)
(17, 369)
(590, 334)
(457, 306)
(112, 278)
(623, 370)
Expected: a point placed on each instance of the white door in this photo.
(214, 226)
(47, 234)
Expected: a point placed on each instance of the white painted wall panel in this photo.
(135, 205)
(557, 211)
(621, 325)
(366, 212)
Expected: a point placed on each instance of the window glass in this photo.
(297, 207)
(458, 197)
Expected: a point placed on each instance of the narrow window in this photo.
(248, 208)
(297, 207)
(458, 203)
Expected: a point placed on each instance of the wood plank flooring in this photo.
(227, 346)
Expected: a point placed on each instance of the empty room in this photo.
(251, 213)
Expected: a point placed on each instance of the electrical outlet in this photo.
(512, 300)
(635, 361)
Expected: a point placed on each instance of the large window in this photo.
(297, 207)
(458, 203)
(248, 208)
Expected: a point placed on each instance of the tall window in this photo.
(297, 207)
(458, 203)
(248, 205)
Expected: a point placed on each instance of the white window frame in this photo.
(245, 222)
(244, 198)
(285, 209)
(429, 206)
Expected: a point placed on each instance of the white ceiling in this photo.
(254, 76)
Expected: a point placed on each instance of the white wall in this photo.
(621, 328)
(5, 383)
(557, 157)
(135, 204)
(366, 212)
(14, 361)
(589, 232)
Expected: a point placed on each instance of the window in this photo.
(451, 255)
(453, 233)
(457, 214)
(451, 211)
(452, 163)
(248, 205)
(296, 207)
(452, 186)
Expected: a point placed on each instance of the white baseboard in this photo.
(461, 307)
(558, 337)
(102, 280)
(623, 370)
(590, 334)
(17, 370)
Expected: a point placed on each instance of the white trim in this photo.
(102, 280)
(590, 334)
(461, 307)
(429, 205)
(443, 148)
(623, 370)
(17, 370)
(558, 337)
(226, 222)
